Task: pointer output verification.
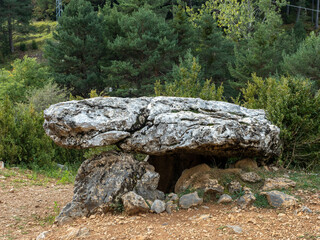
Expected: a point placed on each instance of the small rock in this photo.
(134, 203)
(225, 198)
(280, 199)
(235, 228)
(158, 206)
(204, 217)
(170, 206)
(1, 165)
(305, 209)
(246, 199)
(277, 183)
(205, 207)
(42, 235)
(76, 233)
(251, 177)
(189, 200)
(172, 197)
(281, 215)
(2, 177)
(11, 190)
(234, 187)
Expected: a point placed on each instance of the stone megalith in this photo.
(163, 125)
(177, 133)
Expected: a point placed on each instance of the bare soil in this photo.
(29, 204)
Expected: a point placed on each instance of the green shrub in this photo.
(291, 104)
(34, 45)
(23, 47)
(187, 82)
(23, 140)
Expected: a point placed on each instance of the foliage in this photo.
(306, 60)
(26, 74)
(44, 9)
(142, 50)
(76, 51)
(261, 201)
(291, 105)
(187, 82)
(41, 98)
(23, 140)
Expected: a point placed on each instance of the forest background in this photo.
(255, 53)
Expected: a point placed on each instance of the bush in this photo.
(23, 140)
(188, 83)
(291, 104)
(23, 47)
(34, 45)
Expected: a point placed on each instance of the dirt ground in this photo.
(29, 203)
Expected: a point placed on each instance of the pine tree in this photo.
(12, 14)
(76, 52)
(142, 49)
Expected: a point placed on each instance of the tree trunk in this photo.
(298, 15)
(312, 18)
(10, 32)
(317, 15)
(288, 10)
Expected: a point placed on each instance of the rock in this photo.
(198, 177)
(225, 198)
(134, 204)
(277, 183)
(11, 190)
(279, 199)
(251, 177)
(103, 180)
(246, 164)
(1, 165)
(172, 197)
(189, 200)
(235, 228)
(170, 206)
(76, 233)
(158, 206)
(147, 186)
(42, 235)
(234, 187)
(246, 200)
(162, 125)
(305, 209)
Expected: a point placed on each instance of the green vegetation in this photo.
(251, 52)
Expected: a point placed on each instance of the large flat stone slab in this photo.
(163, 125)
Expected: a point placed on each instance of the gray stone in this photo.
(246, 200)
(172, 197)
(147, 186)
(158, 206)
(42, 235)
(134, 204)
(251, 177)
(170, 206)
(225, 198)
(102, 181)
(305, 209)
(190, 200)
(278, 183)
(235, 228)
(76, 233)
(162, 125)
(279, 199)
(234, 187)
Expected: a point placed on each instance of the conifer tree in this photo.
(141, 49)
(77, 49)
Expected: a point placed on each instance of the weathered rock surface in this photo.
(103, 180)
(225, 198)
(279, 199)
(158, 206)
(134, 203)
(162, 125)
(246, 163)
(170, 206)
(247, 199)
(277, 183)
(234, 187)
(190, 200)
(251, 177)
(198, 177)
